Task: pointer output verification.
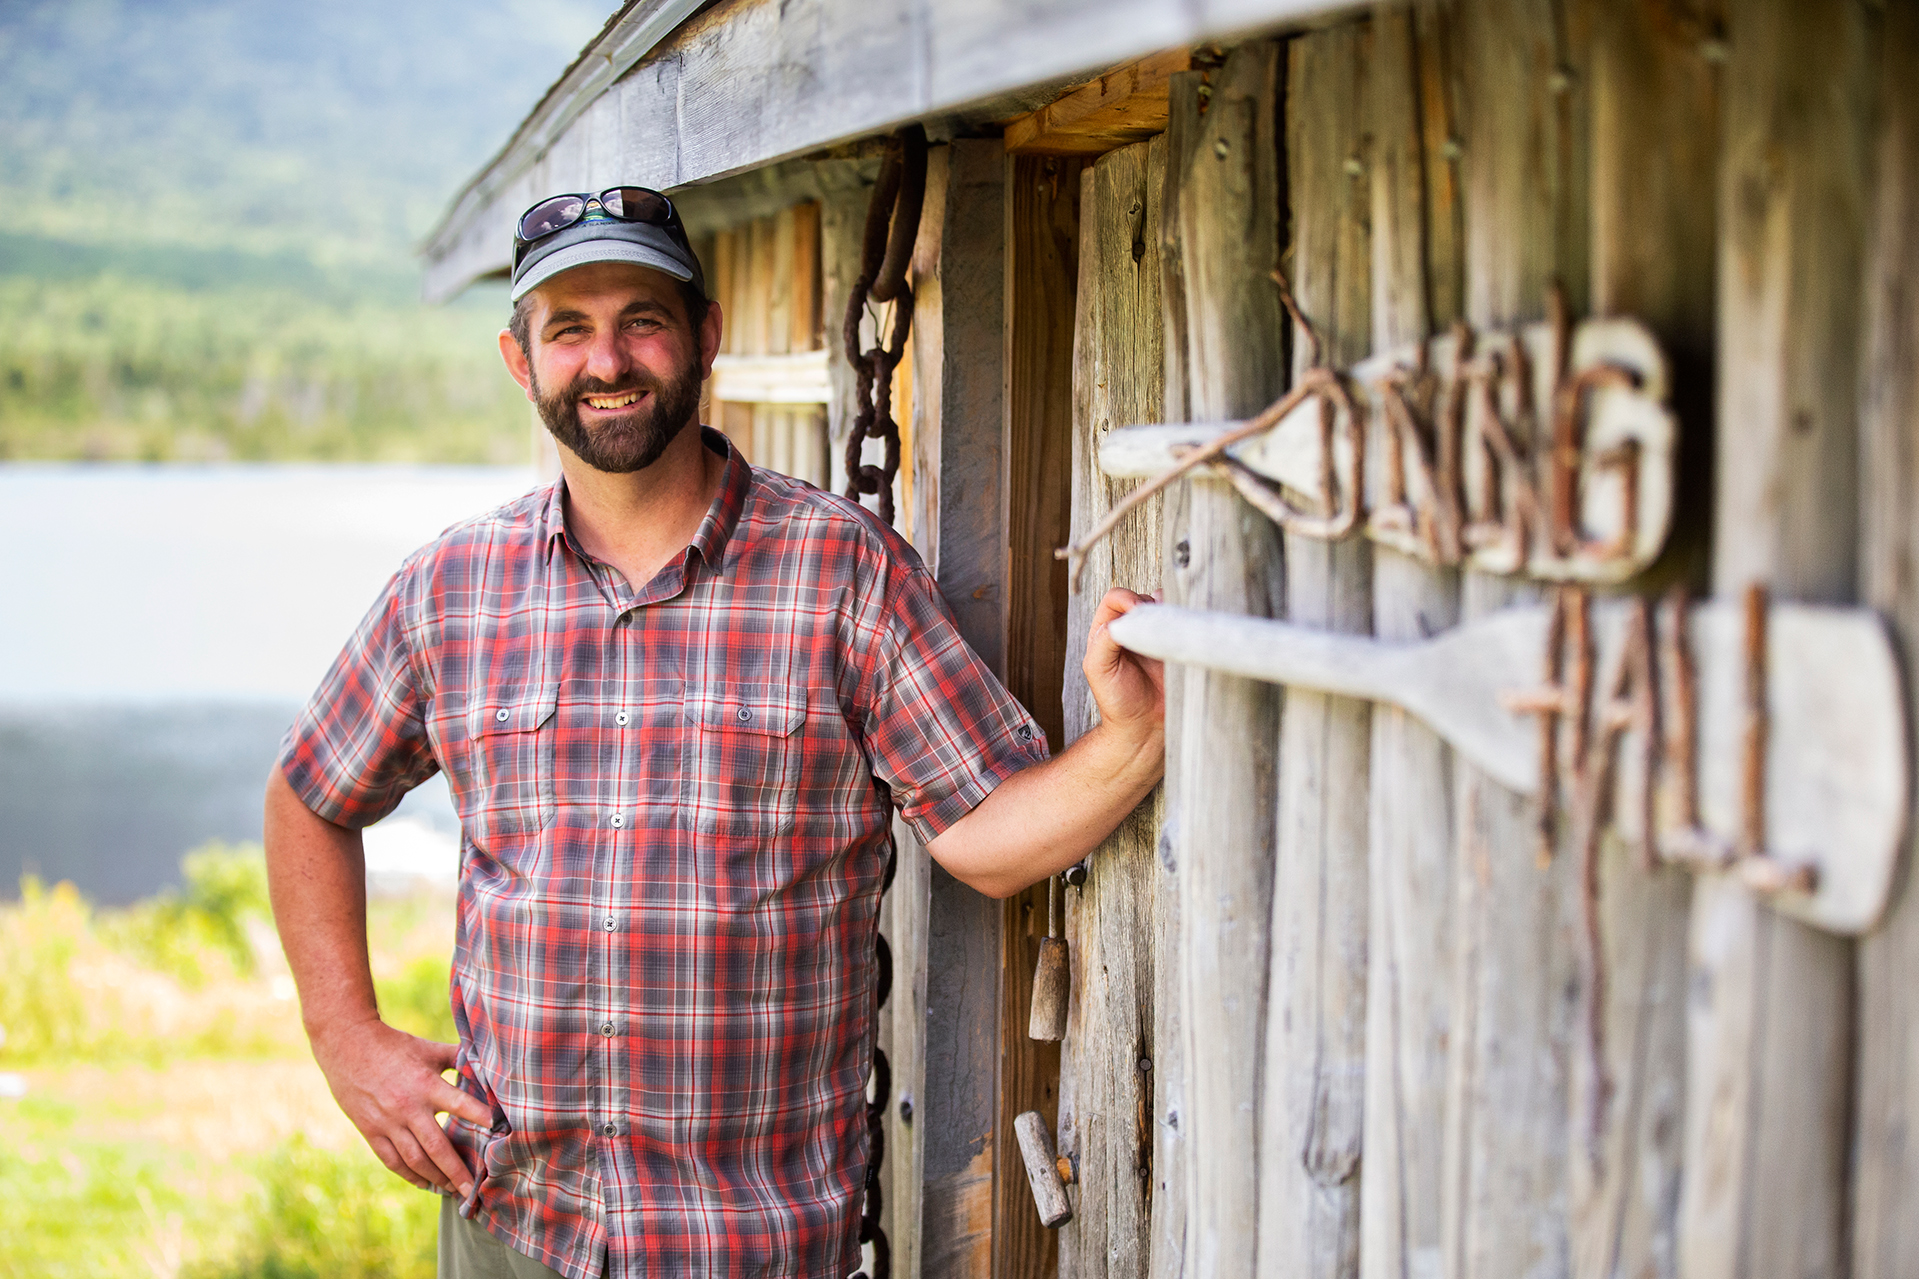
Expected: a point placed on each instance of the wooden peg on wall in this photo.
(1053, 979)
(1042, 1170)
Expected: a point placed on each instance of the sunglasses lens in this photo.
(549, 216)
(636, 204)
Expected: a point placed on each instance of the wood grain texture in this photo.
(1111, 1059)
(1516, 988)
(1042, 270)
(1170, 1219)
(1885, 1234)
(1770, 1018)
(1127, 104)
(842, 222)
(970, 555)
(957, 438)
(1416, 211)
(1229, 202)
(1313, 1108)
(1652, 257)
(908, 917)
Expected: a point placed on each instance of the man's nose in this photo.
(607, 359)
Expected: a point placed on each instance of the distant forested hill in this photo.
(210, 208)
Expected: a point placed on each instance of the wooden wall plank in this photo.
(1042, 250)
(1516, 986)
(1166, 1255)
(1228, 206)
(1770, 1026)
(781, 323)
(1109, 1055)
(909, 904)
(808, 332)
(1652, 258)
(1885, 1232)
(762, 286)
(842, 224)
(1315, 1071)
(740, 301)
(958, 453)
(719, 284)
(920, 520)
(1414, 118)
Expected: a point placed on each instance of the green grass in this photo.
(316, 1214)
(174, 1123)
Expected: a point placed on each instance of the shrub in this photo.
(41, 1010)
(195, 934)
(322, 1214)
(419, 1001)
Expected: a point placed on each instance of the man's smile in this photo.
(612, 403)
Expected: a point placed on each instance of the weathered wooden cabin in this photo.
(1493, 921)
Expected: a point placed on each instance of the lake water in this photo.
(160, 626)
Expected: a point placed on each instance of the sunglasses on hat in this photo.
(627, 204)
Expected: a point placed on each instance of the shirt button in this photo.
(606, 1028)
(609, 924)
(1025, 734)
(745, 714)
(617, 821)
(610, 1130)
(502, 716)
(621, 719)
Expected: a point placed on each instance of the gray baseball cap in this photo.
(598, 238)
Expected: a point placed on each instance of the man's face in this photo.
(614, 368)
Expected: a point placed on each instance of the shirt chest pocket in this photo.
(513, 785)
(743, 757)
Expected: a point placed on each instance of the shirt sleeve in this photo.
(361, 743)
(941, 731)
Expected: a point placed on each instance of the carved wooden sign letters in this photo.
(1547, 452)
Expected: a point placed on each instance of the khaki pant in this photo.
(467, 1251)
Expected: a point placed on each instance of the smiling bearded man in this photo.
(617, 445)
(678, 701)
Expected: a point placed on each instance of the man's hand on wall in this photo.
(1049, 816)
(1129, 689)
(389, 1084)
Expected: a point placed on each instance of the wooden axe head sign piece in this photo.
(1834, 764)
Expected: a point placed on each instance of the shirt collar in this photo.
(715, 530)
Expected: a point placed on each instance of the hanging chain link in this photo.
(884, 257)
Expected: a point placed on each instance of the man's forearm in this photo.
(388, 1082)
(316, 874)
(1042, 820)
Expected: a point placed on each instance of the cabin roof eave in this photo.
(777, 79)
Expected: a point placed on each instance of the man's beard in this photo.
(634, 440)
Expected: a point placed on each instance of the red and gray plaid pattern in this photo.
(676, 803)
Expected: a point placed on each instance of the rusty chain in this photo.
(884, 257)
(892, 225)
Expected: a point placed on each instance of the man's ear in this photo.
(710, 329)
(516, 362)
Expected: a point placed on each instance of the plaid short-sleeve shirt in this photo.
(675, 802)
